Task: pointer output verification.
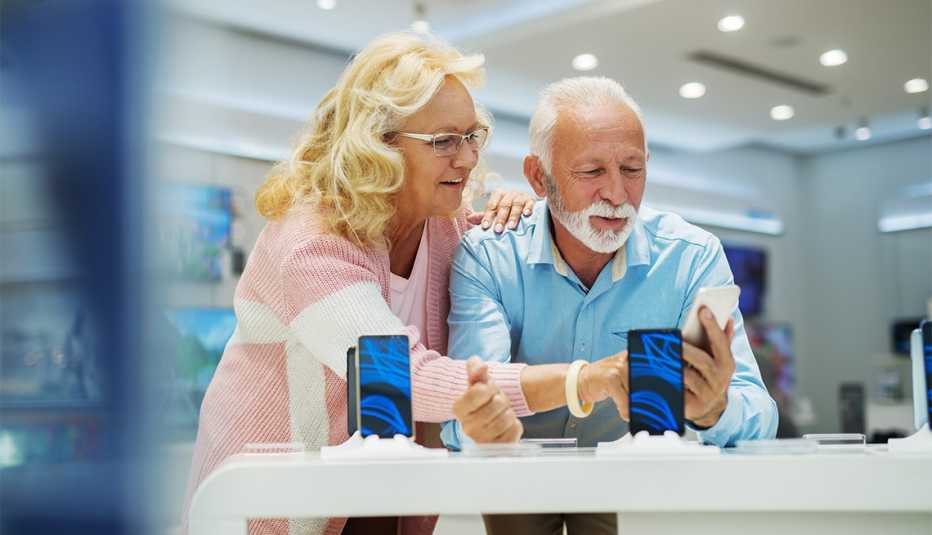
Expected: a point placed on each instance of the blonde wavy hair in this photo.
(344, 163)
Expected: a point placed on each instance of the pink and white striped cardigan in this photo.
(306, 296)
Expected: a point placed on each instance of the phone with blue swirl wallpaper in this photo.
(655, 381)
(384, 375)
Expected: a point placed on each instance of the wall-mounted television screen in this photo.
(749, 266)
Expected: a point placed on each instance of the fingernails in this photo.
(485, 224)
(527, 212)
(513, 224)
(499, 227)
(706, 315)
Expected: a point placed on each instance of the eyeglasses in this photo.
(447, 144)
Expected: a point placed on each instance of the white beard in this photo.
(578, 224)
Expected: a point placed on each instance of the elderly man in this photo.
(590, 265)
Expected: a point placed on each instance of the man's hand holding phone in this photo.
(709, 372)
(483, 410)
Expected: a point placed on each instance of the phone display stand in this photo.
(644, 444)
(918, 442)
(374, 448)
(920, 410)
(921, 440)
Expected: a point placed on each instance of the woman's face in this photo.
(434, 184)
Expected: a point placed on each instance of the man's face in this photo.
(598, 174)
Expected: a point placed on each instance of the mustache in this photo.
(606, 209)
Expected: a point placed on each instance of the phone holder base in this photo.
(373, 447)
(643, 444)
(918, 442)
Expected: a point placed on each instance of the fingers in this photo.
(475, 218)
(693, 407)
(491, 208)
(504, 210)
(612, 374)
(476, 397)
(528, 206)
(730, 329)
(621, 403)
(517, 210)
(699, 360)
(477, 371)
(492, 422)
(696, 383)
(512, 434)
(719, 343)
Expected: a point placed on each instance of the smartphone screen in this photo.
(352, 393)
(655, 380)
(927, 360)
(384, 386)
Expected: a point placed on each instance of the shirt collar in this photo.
(543, 248)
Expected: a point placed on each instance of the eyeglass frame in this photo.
(431, 138)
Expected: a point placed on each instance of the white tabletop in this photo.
(302, 485)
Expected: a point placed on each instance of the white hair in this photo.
(568, 94)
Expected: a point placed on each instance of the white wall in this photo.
(856, 280)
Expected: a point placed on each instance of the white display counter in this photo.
(849, 493)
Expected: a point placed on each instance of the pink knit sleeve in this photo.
(439, 381)
(333, 296)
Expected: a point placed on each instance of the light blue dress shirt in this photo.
(514, 299)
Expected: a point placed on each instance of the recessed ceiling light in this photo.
(916, 85)
(327, 4)
(782, 112)
(420, 26)
(585, 62)
(692, 90)
(731, 23)
(833, 58)
(925, 122)
(863, 133)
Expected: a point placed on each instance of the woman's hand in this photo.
(503, 210)
(483, 410)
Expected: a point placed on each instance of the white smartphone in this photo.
(722, 301)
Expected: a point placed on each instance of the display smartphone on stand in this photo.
(655, 381)
(384, 378)
(926, 329)
(352, 393)
(722, 301)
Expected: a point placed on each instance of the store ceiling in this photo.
(651, 47)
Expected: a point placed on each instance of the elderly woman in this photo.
(363, 222)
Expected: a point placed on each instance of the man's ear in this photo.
(534, 172)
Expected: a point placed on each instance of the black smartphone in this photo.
(352, 393)
(384, 372)
(927, 360)
(655, 380)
